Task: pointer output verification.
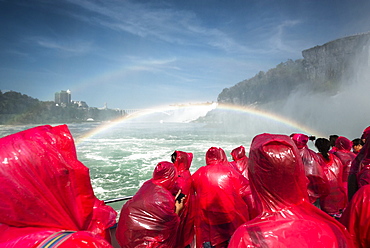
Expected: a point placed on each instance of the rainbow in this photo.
(270, 116)
(227, 107)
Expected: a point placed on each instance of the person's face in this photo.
(357, 148)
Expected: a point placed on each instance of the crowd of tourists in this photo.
(279, 194)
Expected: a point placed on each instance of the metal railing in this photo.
(125, 198)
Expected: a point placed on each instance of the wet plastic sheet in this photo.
(44, 188)
(221, 199)
(149, 218)
(287, 218)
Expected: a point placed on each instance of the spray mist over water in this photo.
(174, 113)
(345, 113)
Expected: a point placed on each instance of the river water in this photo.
(121, 156)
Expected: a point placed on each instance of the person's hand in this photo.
(179, 205)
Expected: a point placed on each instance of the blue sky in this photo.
(140, 54)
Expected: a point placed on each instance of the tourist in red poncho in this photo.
(240, 163)
(182, 161)
(363, 175)
(356, 217)
(221, 200)
(240, 160)
(357, 145)
(343, 152)
(150, 218)
(335, 202)
(355, 167)
(46, 193)
(287, 218)
(318, 185)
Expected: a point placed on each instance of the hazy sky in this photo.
(142, 54)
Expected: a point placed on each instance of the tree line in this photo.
(17, 108)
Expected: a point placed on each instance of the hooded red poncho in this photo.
(286, 219)
(356, 217)
(186, 230)
(240, 160)
(221, 199)
(336, 200)
(346, 156)
(363, 176)
(318, 185)
(149, 218)
(355, 169)
(45, 189)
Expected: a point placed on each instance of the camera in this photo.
(312, 137)
(179, 197)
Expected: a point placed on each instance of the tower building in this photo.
(63, 97)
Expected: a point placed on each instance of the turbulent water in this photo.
(122, 156)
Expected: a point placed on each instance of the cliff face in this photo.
(335, 60)
(322, 69)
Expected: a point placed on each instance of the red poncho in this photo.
(240, 162)
(185, 234)
(221, 199)
(363, 176)
(356, 217)
(149, 218)
(318, 185)
(45, 189)
(353, 184)
(345, 155)
(287, 219)
(336, 200)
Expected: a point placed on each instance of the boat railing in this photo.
(125, 198)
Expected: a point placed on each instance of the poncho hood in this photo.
(44, 185)
(342, 143)
(216, 155)
(276, 172)
(300, 140)
(238, 153)
(165, 175)
(365, 133)
(183, 161)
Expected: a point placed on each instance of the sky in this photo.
(135, 54)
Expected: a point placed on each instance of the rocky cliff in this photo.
(336, 60)
(323, 69)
